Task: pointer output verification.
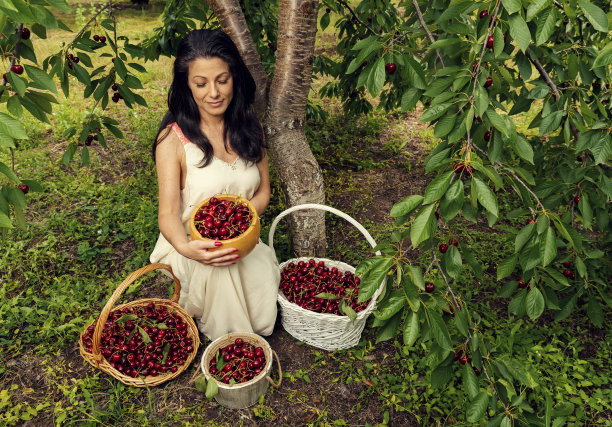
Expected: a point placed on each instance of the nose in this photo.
(214, 90)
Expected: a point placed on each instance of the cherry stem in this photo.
(93, 18)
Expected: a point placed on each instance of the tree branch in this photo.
(424, 25)
(343, 3)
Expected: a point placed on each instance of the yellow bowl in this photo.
(244, 242)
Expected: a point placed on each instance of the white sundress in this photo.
(237, 298)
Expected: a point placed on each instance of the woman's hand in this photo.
(199, 250)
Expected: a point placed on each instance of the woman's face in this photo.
(211, 85)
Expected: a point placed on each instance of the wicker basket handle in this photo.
(280, 373)
(341, 214)
(115, 296)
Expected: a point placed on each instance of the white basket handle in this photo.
(323, 208)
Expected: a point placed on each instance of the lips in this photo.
(215, 104)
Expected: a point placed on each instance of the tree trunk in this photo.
(283, 121)
(294, 162)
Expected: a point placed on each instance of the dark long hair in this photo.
(241, 126)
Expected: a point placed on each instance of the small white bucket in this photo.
(241, 395)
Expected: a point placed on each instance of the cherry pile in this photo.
(237, 363)
(143, 340)
(222, 219)
(314, 286)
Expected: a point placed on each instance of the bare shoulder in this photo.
(169, 146)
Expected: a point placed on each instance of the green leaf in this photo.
(410, 99)
(60, 5)
(376, 78)
(212, 389)
(200, 384)
(604, 57)
(411, 328)
(372, 272)
(327, 296)
(523, 236)
(17, 197)
(406, 205)
(451, 262)
(497, 121)
(601, 149)
(5, 221)
(548, 247)
(470, 381)
(421, 227)
(512, 6)
(534, 303)
(440, 376)
(486, 197)
(546, 25)
(506, 267)
(14, 107)
(519, 31)
(535, 7)
(481, 100)
(417, 276)
(595, 15)
(435, 111)
(389, 330)
(523, 149)
(476, 410)
(17, 83)
(453, 200)
(348, 310)
(42, 78)
(391, 305)
(145, 337)
(440, 331)
(437, 187)
(4, 169)
(595, 312)
(445, 125)
(461, 321)
(12, 127)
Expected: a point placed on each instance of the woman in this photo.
(210, 142)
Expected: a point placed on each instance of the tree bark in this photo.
(298, 170)
(230, 16)
(285, 108)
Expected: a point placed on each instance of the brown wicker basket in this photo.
(98, 361)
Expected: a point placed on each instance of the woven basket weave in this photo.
(324, 330)
(98, 361)
(246, 394)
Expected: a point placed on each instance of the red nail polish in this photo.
(218, 243)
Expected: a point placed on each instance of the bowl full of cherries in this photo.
(227, 218)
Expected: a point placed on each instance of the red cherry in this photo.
(17, 69)
(483, 14)
(429, 287)
(464, 360)
(390, 68)
(487, 136)
(24, 188)
(530, 221)
(96, 38)
(102, 39)
(521, 283)
(567, 273)
(443, 247)
(567, 264)
(490, 41)
(488, 82)
(576, 199)
(476, 371)
(453, 242)
(25, 33)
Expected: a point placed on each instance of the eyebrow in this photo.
(204, 77)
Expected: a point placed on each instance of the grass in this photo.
(92, 226)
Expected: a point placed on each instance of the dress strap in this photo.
(175, 127)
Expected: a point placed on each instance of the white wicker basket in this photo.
(323, 330)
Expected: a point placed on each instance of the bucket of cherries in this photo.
(239, 364)
(319, 297)
(228, 218)
(142, 343)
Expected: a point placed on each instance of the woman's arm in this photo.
(261, 198)
(170, 158)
